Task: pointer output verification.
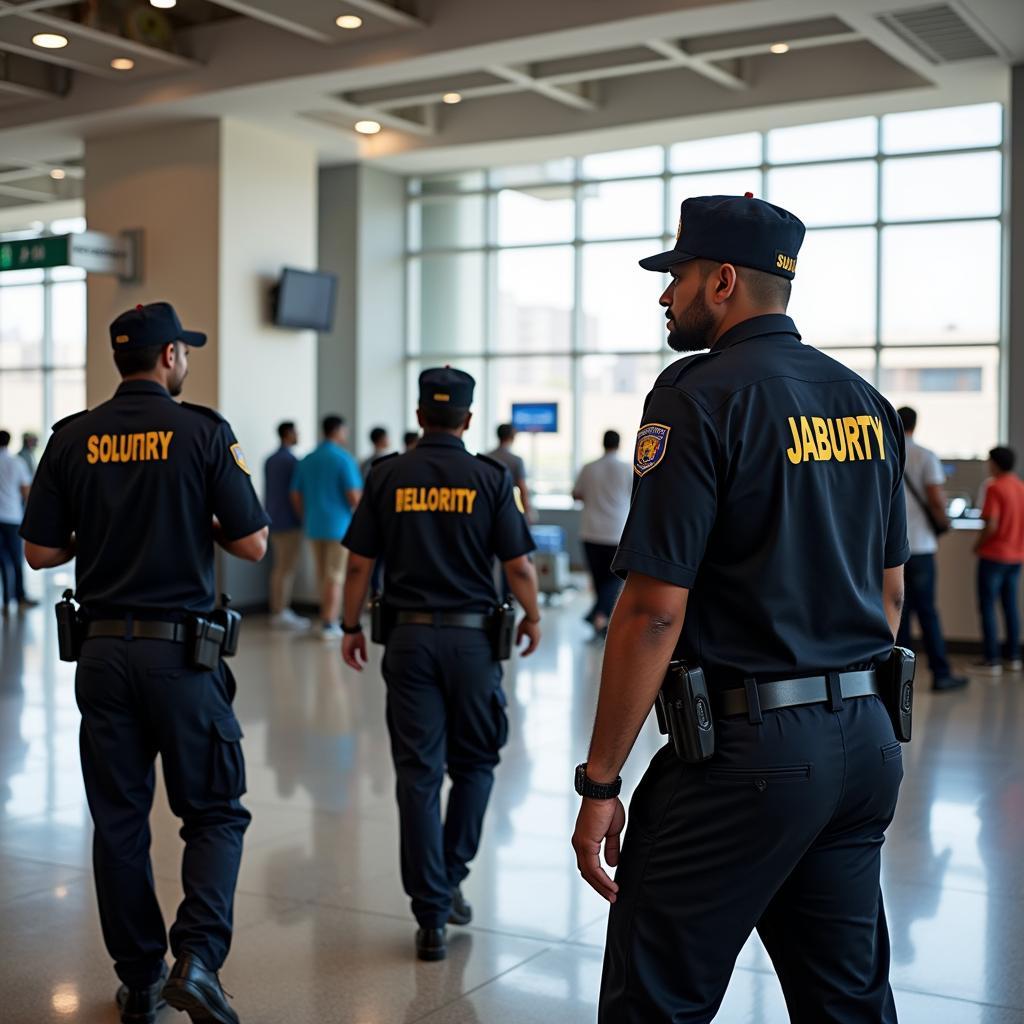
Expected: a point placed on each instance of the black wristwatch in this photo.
(595, 790)
(352, 630)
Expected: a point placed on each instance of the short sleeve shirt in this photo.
(768, 479)
(924, 470)
(138, 481)
(14, 475)
(324, 478)
(512, 462)
(278, 471)
(439, 517)
(604, 487)
(1004, 502)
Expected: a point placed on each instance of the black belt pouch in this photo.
(382, 620)
(204, 642)
(70, 629)
(502, 628)
(684, 712)
(896, 682)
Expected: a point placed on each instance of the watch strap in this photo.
(586, 786)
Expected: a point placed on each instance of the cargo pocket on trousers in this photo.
(892, 751)
(498, 705)
(227, 765)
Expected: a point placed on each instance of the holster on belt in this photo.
(382, 619)
(204, 642)
(502, 630)
(684, 713)
(70, 628)
(231, 621)
(896, 682)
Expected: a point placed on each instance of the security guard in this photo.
(764, 545)
(438, 516)
(138, 490)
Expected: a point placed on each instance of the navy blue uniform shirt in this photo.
(768, 479)
(439, 516)
(138, 480)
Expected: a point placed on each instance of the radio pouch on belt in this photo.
(382, 619)
(896, 681)
(231, 622)
(205, 642)
(684, 712)
(70, 628)
(502, 630)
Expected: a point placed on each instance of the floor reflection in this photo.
(323, 927)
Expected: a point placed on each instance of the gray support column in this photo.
(1015, 271)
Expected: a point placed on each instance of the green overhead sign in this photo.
(90, 250)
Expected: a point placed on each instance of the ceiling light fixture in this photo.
(122, 63)
(367, 127)
(50, 40)
(58, 174)
(349, 21)
(451, 98)
(163, 5)
(779, 47)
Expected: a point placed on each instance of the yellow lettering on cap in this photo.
(442, 398)
(121, 339)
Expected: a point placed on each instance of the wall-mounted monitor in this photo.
(305, 299)
(535, 417)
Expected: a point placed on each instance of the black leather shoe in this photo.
(949, 683)
(141, 1005)
(431, 944)
(194, 988)
(462, 909)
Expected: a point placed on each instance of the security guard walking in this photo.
(138, 490)
(438, 516)
(764, 548)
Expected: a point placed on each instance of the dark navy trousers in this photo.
(139, 699)
(780, 831)
(445, 711)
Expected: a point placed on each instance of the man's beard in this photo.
(175, 386)
(694, 330)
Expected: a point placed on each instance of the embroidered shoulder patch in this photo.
(651, 445)
(239, 456)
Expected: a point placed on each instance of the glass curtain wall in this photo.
(42, 343)
(527, 276)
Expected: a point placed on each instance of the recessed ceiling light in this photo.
(164, 5)
(58, 174)
(349, 21)
(779, 47)
(367, 127)
(50, 40)
(122, 63)
(452, 98)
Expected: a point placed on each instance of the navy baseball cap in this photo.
(442, 387)
(155, 324)
(734, 229)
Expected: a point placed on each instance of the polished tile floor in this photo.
(323, 932)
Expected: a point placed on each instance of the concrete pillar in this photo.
(223, 206)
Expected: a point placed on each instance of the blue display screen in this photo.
(535, 417)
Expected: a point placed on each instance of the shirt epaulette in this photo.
(205, 410)
(491, 462)
(67, 419)
(670, 376)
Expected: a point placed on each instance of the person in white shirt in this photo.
(604, 487)
(923, 479)
(15, 480)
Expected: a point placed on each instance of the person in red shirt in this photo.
(1000, 550)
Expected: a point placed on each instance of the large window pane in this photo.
(860, 360)
(834, 290)
(620, 301)
(832, 140)
(827, 193)
(625, 163)
(447, 293)
(534, 290)
(711, 154)
(534, 174)
(68, 319)
(940, 282)
(537, 379)
(717, 183)
(452, 223)
(21, 402)
(68, 392)
(458, 181)
(937, 187)
(949, 128)
(544, 214)
(614, 389)
(622, 209)
(955, 392)
(21, 325)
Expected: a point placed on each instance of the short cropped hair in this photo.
(506, 432)
(5, 438)
(285, 428)
(331, 423)
(442, 418)
(377, 434)
(611, 440)
(138, 360)
(908, 417)
(1005, 458)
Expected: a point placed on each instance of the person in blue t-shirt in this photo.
(326, 488)
(285, 528)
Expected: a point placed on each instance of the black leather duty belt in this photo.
(146, 629)
(792, 693)
(467, 620)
